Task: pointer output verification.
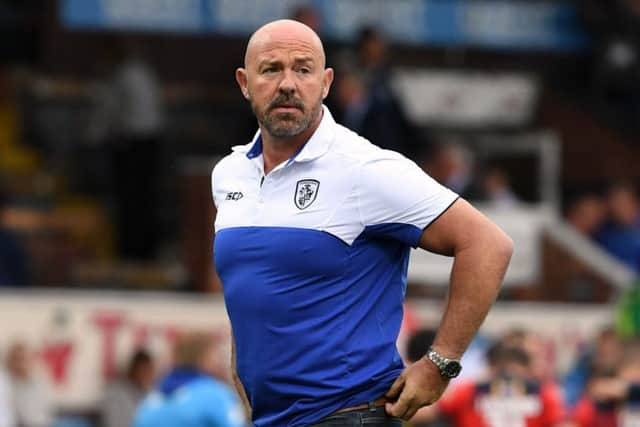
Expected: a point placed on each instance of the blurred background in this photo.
(114, 112)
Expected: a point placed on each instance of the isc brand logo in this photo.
(234, 195)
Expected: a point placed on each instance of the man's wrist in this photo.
(449, 367)
(445, 351)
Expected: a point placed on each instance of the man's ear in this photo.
(241, 78)
(327, 79)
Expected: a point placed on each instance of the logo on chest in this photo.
(306, 193)
(234, 195)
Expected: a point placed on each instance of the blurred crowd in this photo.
(507, 381)
(512, 384)
(133, 397)
(612, 219)
(69, 210)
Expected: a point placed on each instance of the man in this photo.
(313, 232)
(122, 396)
(620, 235)
(613, 398)
(511, 397)
(129, 117)
(189, 395)
(32, 398)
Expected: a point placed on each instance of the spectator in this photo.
(599, 406)
(510, 397)
(309, 16)
(32, 400)
(451, 164)
(586, 213)
(122, 397)
(602, 359)
(497, 189)
(129, 116)
(14, 270)
(620, 236)
(366, 100)
(613, 399)
(190, 395)
(541, 367)
(624, 205)
(351, 97)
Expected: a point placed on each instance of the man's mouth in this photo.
(286, 108)
(286, 105)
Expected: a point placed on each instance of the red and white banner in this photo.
(83, 338)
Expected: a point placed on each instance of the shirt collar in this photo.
(315, 146)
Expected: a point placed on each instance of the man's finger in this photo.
(396, 388)
(399, 408)
(411, 412)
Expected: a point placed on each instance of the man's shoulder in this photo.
(230, 162)
(349, 144)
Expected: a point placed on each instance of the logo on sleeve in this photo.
(306, 193)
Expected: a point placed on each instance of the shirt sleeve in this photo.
(399, 200)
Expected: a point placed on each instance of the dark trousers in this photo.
(375, 417)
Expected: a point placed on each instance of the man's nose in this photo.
(287, 84)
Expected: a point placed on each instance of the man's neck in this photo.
(278, 150)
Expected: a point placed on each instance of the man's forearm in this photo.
(476, 277)
(236, 380)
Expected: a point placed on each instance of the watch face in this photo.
(452, 369)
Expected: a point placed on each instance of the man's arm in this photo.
(236, 380)
(482, 252)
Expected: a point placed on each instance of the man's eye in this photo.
(269, 70)
(304, 70)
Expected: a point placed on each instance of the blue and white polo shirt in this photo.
(313, 260)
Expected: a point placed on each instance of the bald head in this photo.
(285, 80)
(282, 32)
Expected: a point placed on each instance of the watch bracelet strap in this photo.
(439, 360)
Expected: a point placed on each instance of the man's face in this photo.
(285, 81)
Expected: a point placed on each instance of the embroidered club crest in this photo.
(306, 193)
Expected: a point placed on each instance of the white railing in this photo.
(527, 226)
(581, 247)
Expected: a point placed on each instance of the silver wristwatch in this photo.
(449, 368)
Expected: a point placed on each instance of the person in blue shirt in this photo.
(189, 395)
(314, 227)
(620, 236)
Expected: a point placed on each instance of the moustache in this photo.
(287, 100)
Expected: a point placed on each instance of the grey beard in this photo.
(285, 128)
(288, 128)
